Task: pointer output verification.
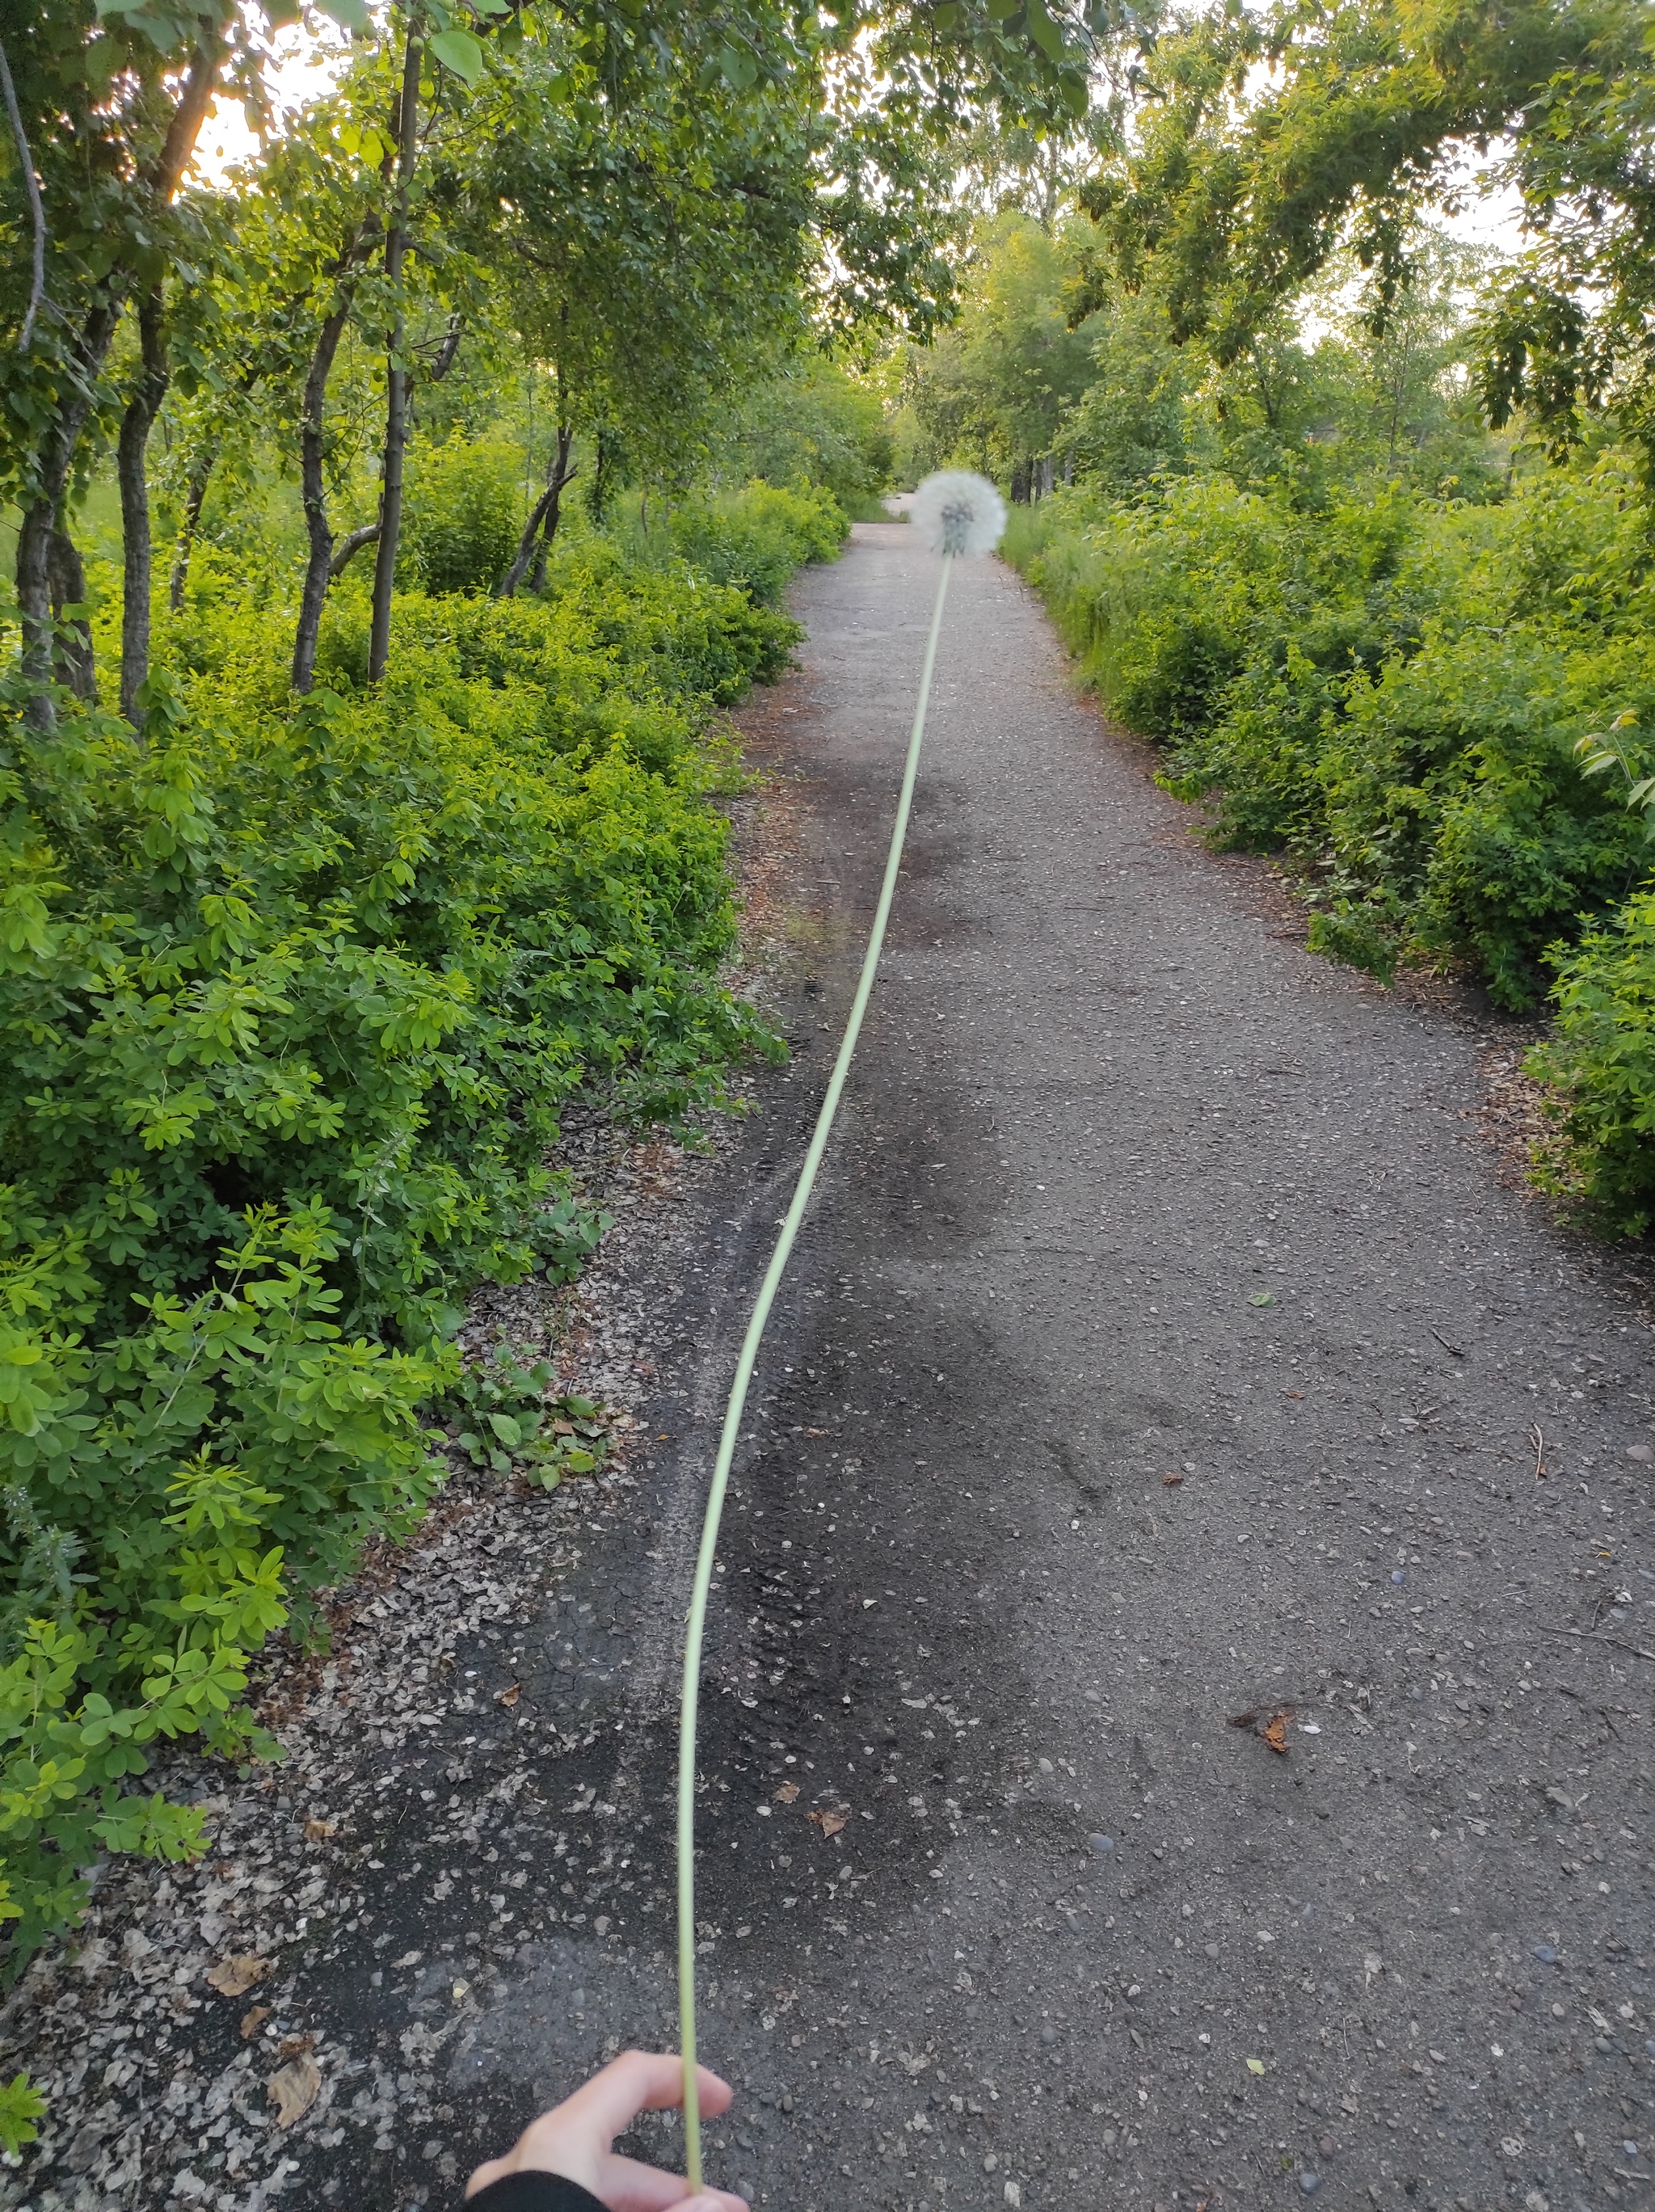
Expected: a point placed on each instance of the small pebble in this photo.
(1310, 2183)
(1048, 2033)
(744, 2190)
(1103, 1845)
(1398, 1575)
(1545, 1954)
(1640, 1451)
(1630, 2148)
(1327, 2147)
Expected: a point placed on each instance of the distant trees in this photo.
(736, 169)
(1270, 140)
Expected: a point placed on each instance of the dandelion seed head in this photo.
(958, 513)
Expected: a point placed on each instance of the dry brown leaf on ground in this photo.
(233, 1978)
(509, 1697)
(787, 1793)
(252, 2021)
(830, 1823)
(317, 1831)
(293, 2088)
(1172, 1481)
(1270, 1722)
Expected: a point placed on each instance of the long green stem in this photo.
(736, 1406)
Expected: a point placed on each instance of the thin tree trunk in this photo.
(545, 512)
(37, 289)
(397, 380)
(313, 457)
(73, 664)
(562, 475)
(136, 553)
(201, 474)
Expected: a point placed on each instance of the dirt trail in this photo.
(1163, 1347)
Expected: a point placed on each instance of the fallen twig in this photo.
(1589, 1636)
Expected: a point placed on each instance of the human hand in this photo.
(574, 2138)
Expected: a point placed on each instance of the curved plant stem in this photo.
(738, 1404)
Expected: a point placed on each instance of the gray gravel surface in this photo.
(1163, 1349)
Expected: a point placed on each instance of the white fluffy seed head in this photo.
(956, 512)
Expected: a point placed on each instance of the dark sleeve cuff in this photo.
(534, 2193)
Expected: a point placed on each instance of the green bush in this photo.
(1385, 685)
(291, 993)
(754, 539)
(1602, 1062)
(465, 510)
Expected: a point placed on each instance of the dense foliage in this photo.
(293, 994)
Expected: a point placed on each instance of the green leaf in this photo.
(1261, 1298)
(1044, 32)
(20, 2105)
(350, 16)
(459, 51)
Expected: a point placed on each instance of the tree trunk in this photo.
(137, 557)
(562, 474)
(200, 476)
(59, 441)
(39, 565)
(313, 457)
(73, 664)
(396, 379)
(541, 526)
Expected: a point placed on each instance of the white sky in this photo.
(303, 73)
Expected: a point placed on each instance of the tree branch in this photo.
(37, 290)
(443, 360)
(350, 547)
(188, 117)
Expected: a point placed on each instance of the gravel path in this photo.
(1164, 1349)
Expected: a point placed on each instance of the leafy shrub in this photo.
(1386, 685)
(1602, 1064)
(292, 994)
(465, 509)
(754, 539)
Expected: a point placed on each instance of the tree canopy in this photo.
(1271, 139)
